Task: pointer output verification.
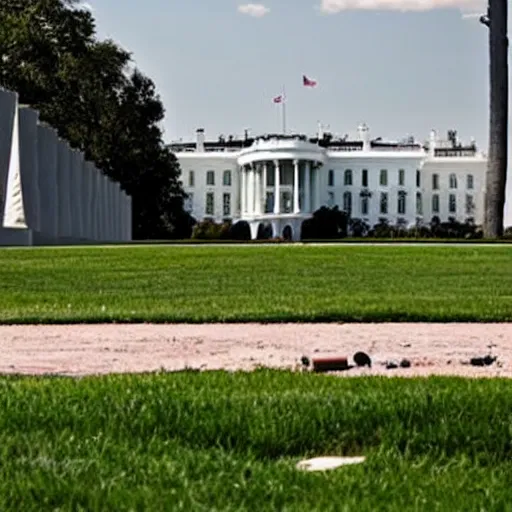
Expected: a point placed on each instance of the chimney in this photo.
(432, 143)
(200, 140)
(364, 136)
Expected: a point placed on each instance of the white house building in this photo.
(275, 182)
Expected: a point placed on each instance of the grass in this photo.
(221, 441)
(266, 284)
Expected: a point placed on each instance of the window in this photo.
(226, 179)
(330, 199)
(364, 205)
(453, 181)
(189, 203)
(226, 204)
(418, 178)
(435, 203)
(419, 204)
(401, 177)
(331, 178)
(384, 203)
(210, 178)
(384, 178)
(470, 182)
(452, 203)
(435, 181)
(470, 205)
(347, 202)
(348, 178)
(210, 204)
(401, 202)
(191, 179)
(364, 178)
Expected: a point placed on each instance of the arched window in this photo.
(347, 202)
(453, 181)
(226, 178)
(331, 178)
(348, 178)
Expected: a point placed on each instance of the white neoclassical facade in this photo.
(275, 182)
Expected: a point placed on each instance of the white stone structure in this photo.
(48, 193)
(275, 182)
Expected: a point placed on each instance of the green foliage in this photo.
(209, 230)
(88, 90)
(276, 283)
(222, 441)
(326, 223)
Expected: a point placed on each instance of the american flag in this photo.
(308, 82)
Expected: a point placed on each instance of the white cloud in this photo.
(335, 6)
(254, 10)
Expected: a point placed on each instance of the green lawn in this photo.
(282, 283)
(220, 441)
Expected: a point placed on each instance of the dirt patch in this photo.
(432, 349)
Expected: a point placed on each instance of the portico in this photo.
(278, 187)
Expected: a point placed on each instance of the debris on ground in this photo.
(362, 359)
(405, 363)
(326, 463)
(482, 361)
(331, 364)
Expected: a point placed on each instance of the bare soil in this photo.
(77, 350)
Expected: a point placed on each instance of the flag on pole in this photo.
(308, 82)
(278, 99)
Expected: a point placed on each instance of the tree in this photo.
(496, 21)
(90, 92)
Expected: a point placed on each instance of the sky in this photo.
(403, 67)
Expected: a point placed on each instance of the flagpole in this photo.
(284, 111)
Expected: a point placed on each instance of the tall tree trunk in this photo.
(498, 144)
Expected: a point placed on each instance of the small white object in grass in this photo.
(326, 463)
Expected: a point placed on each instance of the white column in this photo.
(257, 190)
(307, 187)
(264, 187)
(296, 205)
(317, 187)
(250, 208)
(277, 188)
(243, 191)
